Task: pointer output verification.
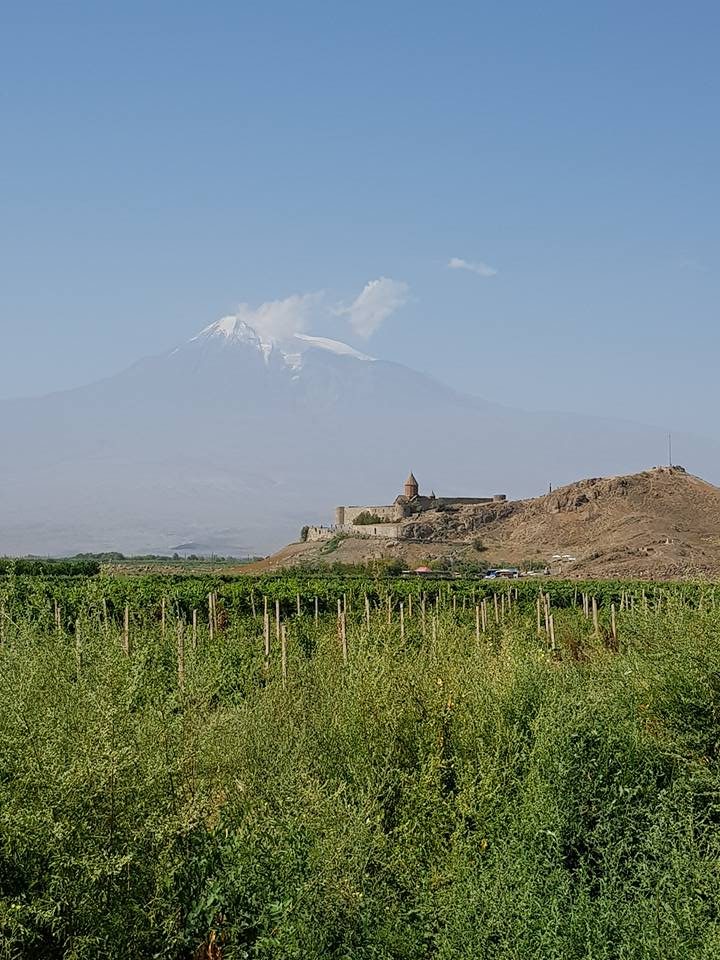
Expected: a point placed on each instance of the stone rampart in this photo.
(391, 531)
(461, 500)
(387, 513)
(320, 533)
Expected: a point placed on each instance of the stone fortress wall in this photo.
(346, 515)
(390, 531)
(408, 504)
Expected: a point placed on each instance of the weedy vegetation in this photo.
(389, 769)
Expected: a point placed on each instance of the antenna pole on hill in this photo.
(669, 449)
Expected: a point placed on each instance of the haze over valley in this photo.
(233, 440)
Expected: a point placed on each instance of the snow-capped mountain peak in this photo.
(333, 346)
(230, 328)
(234, 330)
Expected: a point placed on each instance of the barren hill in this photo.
(661, 523)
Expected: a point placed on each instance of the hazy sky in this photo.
(535, 184)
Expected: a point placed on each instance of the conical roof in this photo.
(411, 480)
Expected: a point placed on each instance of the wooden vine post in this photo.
(266, 638)
(180, 654)
(596, 624)
(283, 654)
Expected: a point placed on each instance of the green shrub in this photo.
(331, 545)
(366, 518)
(437, 795)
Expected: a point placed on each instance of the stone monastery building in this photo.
(372, 520)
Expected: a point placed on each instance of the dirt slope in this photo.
(658, 524)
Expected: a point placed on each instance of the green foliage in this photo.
(28, 594)
(367, 518)
(435, 796)
(459, 566)
(304, 533)
(387, 567)
(37, 566)
(331, 545)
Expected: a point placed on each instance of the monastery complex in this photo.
(386, 520)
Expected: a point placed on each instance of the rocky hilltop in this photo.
(660, 523)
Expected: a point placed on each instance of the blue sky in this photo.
(164, 163)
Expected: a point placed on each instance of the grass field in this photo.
(415, 788)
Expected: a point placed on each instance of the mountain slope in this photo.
(231, 443)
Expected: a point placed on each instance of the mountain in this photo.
(660, 523)
(232, 441)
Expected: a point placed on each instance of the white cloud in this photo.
(277, 321)
(688, 263)
(377, 301)
(482, 269)
(280, 319)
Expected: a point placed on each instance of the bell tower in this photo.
(411, 489)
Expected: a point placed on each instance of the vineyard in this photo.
(84, 594)
(358, 767)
